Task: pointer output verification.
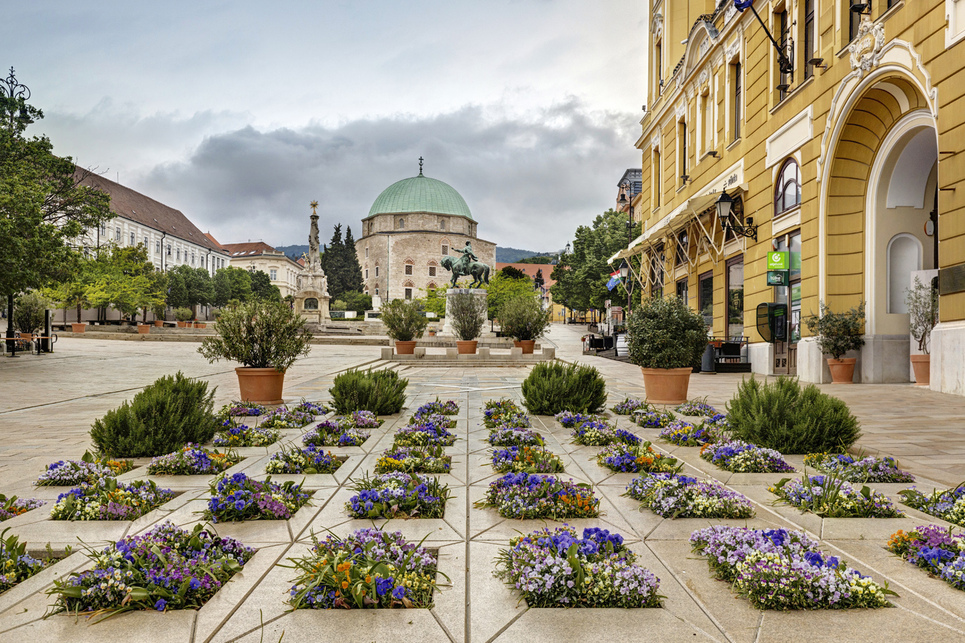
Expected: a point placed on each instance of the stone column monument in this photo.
(311, 299)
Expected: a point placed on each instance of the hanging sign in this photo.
(776, 277)
(777, 261)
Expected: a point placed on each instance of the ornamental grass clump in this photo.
(369, 569)
(398, 495)
(237, 497)
(633, 458)
(283, 418)
(163, 417)
(557, 568)
(677, 496)
(948, 504)
(650, 418)
(935, 549)
(685, 434)
(831, 497)
(526, 459)
(382, 392)
(783, 416)
(331, 433)
(785, 570)
(193, 460)
(245, 436)
(595, 433)
(168, 568)
(552, 387)
(310, 461)
(418, 435)
(627, 406)
(14, 506)
(853, 469)
(696, 408)
(109, 499)
(16, 565)
(531, 496)
(741, 457)
(508, 437)
(428, 459)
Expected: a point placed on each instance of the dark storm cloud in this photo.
(529, 180)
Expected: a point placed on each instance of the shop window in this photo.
(787, 194)
(682, 290)
(705, 299)
(735, 298)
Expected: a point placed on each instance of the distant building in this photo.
(280, 268)
(410, 227)
(535, 271)
(628, 188)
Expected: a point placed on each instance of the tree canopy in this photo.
(341, 264)
(231, 283)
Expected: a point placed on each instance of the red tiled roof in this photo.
(531, 269)
(213, 240)
(249, 249)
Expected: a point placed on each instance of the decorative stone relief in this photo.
(655, 140)
(657, 27)
(703, 79)
(680, 109)
(865, 49)
(732, 49)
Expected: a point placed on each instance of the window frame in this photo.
(780, 187)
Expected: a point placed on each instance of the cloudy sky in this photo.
(240, 113)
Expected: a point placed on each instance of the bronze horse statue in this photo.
(478, 271)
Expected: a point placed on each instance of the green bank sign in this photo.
(777, 261)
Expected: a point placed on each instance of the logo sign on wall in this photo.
(777, 261)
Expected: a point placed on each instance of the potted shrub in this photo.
(922, 301)
(404, 323)
(666, 340)
(183, 315)
(159, 310)
(468, 314)
(524, 319)
(837, 334)
(266, 338)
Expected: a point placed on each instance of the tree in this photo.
(353, 270)
(43, 203)
(333, 264)
(357, 301)
(513, 273)
(262, 288)
(502, 289)
(538, 259)
(434, 300)
(538, 280)
(231, 283)
(124, 279)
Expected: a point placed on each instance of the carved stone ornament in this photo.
(680, 109)
(733, 48)
(657, 27)
(703, 79)
(655, 141)
(730, 13)
(865, 49)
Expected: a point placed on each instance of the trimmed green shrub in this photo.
(838, 333)
(523, 318)
(468, 314)
(787, 418)
(553, 387)
(381, 392)
(404, 320)
(162, 418)
(183, 314)
(258, 334)
(665, 333)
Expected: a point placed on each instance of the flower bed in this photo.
(430, 459)
(370, 569)
(419, 435)
(627, 406)
(744, 457)
(505, 437)
(685, 434)
(14, 506)
(650, 418)
(449, 407)
(238, 497)
(569, 419)
(677, 496)
(65, 473)
(528, 496)
(334, 434)
(556, 568)
(283, 418)
(398, 495)
(245, 436)
(633, 458)
(435, 419)
(312, 408)
(831, 497)
(504, 413)
(193, 460)
(696, 407)
(240, 409)
(948, 505)
(310, 460)
(109, 499)
(16, 565)
(528, 459)
(359, 420)
(858, 470)
(596, 433)
(780, 569)
(934, 549)
(166, 568)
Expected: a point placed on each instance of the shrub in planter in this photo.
(468, 314)
(524, 319)
(381, 392)
(258, 334)
(162, 418)
(838, 333)
(404, 320)
(790, 419)
(28, 312)
(666, 333)
(553, 387)
(183, 314)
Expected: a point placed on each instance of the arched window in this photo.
(787, 194)
(401, 223)
(311, 304)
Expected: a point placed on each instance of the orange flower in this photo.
(344, 584)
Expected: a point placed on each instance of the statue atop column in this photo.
(311, 300)
(314, 258)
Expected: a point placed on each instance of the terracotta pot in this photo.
(526, 344)
(842, 370)
(78, 328)
(199, 324)
(922, 366)
(158, 323)
(261, 385)
(143, 329)
(666, 385)
(182, 324)
(466, 348)
(405, 348)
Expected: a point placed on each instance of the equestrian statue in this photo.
(467, 264)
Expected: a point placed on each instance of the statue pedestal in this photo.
(475, 292)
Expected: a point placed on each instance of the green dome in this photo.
(420, 194)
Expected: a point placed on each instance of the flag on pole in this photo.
(614, 280)
(741, 5)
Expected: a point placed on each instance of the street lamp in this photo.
(625, 275)
(730, 221)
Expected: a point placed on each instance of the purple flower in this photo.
(160, 605)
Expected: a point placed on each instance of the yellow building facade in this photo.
(851, 162)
